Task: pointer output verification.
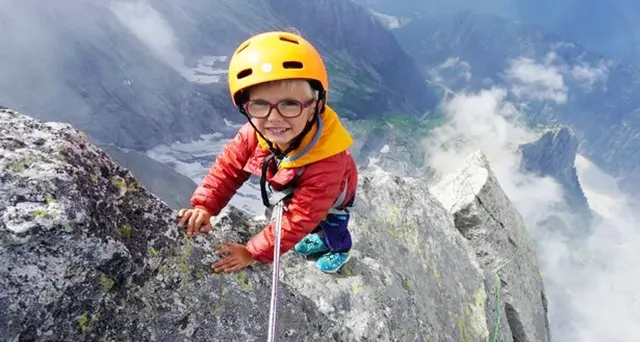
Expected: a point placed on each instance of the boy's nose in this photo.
(274, 116)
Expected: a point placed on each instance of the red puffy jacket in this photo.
(329, 167)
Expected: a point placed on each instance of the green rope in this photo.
(498, 288)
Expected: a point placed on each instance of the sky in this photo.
(592, 290)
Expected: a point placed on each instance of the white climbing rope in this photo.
(275, 280)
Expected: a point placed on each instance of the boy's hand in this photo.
(198, 220)
(238, 258)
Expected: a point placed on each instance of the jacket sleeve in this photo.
(317, 190)
(226, 174)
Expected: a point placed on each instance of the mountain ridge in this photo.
(90, 254)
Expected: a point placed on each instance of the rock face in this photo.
(87, 254)
(486, 218)
(554, 154)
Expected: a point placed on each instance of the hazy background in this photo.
(592, 289)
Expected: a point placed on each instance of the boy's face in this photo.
(291, 97)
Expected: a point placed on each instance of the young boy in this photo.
(292, 140)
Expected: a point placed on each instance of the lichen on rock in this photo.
(87, 254)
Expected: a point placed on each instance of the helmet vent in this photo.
(292, 65)
(244, 73)
(287, 39)
(242, 48)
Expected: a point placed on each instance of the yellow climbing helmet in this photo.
(273, 56)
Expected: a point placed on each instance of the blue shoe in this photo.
(331, 262)
(311, 244)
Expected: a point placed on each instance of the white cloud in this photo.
(588, 75)
(592, 288)
(156, 33)
(547, 80)
(451, 69)
(537, 81)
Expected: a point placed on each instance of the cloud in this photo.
(537, 81)
(589, 76)
(591, 288)
(547, 79)
(150, 28)
(452, 69)
(156, 33)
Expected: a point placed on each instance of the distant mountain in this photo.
(141, 74)
(611, 27)
(553, 155)
(601, 106)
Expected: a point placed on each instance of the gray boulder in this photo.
(88, 254)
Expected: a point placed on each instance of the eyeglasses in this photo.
(261, 109)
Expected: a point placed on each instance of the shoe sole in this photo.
(312, 253)
(339, 268)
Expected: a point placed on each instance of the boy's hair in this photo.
(311, 93)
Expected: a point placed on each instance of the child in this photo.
(292, 140)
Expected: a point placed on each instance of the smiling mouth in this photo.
(277, 130)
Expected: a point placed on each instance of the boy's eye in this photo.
(260, 103)
(289, 103)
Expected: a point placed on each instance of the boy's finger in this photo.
(184, 217)
(233, 267)
(223, 263)
(192, 229)
(199, 220)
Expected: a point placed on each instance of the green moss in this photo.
(215, 309)
(472, 323)
(346, 270)
(408, 284)
(200, 274)
(244, 283)
(106, 282)
(463, 330)
(397, 229)
(40, 213)
(437, 274)
(477, 316)
(48, 198)
(182, 259)
(153, 251)
(356, 288)
(94, 178)
(85, 323)
(118, 182)
(125, 230)
(82, 321)
(22, 164)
